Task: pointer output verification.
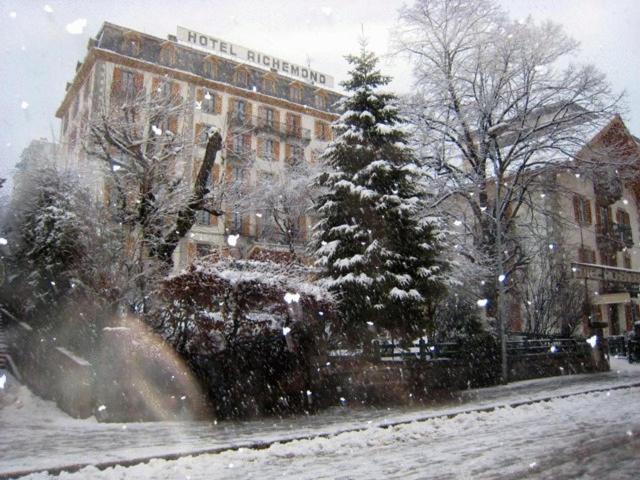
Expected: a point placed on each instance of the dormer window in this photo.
(295, 93)
(269, 85)
(210, 68)
(131, 44)
(320, 101)
(242, 78)
(168, 54)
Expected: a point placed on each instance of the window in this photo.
(240, 110)
(202, 218)
(626, 259)
(204, 249)
(295, 93)
(269, 117)
(623, 228)
(582, 210)
(268, 148)
(208, 102)
(242, 78)
(128, 84)
(168, 55)
(320, 101)
(293, 125)
(269, 86)
(586, 255)
(294, 154)
(209, 68)
(238, 144)
(323, 130)
(131, 46)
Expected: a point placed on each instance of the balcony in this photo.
(613, 236)
(267, 125)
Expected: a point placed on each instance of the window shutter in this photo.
(598, 216)
(261, 151)
(232, 105)
(228, 219)
(248, 109)
(228, 173)
(318, 129)
(576, 208)
(618, 216)
(200, 94)
(173, 124)
(289, 119)
(587, 205)
(192, 252)
(262, 112)
(246, 141)
(138, 81)
(199, 129)
(276, 116)
(155, 85)
(276, 150)
(217, 103)
(175, 89)
(287, 152)
(116, 85)
(245, 225)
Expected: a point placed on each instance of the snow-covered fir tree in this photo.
(378, 257)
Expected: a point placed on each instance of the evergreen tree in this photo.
(379, 258)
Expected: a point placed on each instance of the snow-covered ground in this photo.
(506, 442)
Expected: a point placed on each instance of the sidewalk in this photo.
(37, 436)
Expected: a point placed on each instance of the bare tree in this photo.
(495, 112)
(283, 201)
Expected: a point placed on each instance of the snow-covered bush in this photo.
(248, 329)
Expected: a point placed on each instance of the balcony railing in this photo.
(287, 130)
(615, 235)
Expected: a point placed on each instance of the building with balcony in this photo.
(269, 111)
(592, 222)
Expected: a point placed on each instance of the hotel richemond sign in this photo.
(259, 59)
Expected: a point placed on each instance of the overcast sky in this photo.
(39, 54)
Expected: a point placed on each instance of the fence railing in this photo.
(421, 350)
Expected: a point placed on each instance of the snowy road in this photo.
(535, 440)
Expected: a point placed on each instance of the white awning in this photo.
(609, 298)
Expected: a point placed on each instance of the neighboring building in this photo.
(591, 226)
(270, 111)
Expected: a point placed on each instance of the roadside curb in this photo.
(261, 445)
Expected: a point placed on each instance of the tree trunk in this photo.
(187, 215)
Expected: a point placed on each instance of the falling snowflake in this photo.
(482, 302)
(592, 341)
(13, 14)
(291, 297)
(457, 223)
(24, 105)
(47, 8)
(259, 215)
(232, 240)
(3, 380)
(77, 26)
(157, 131)
(501, 278)
(3, 241)
(286, 331)
(102, 408)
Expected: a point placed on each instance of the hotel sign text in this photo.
(608, 274)
(243, 54)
